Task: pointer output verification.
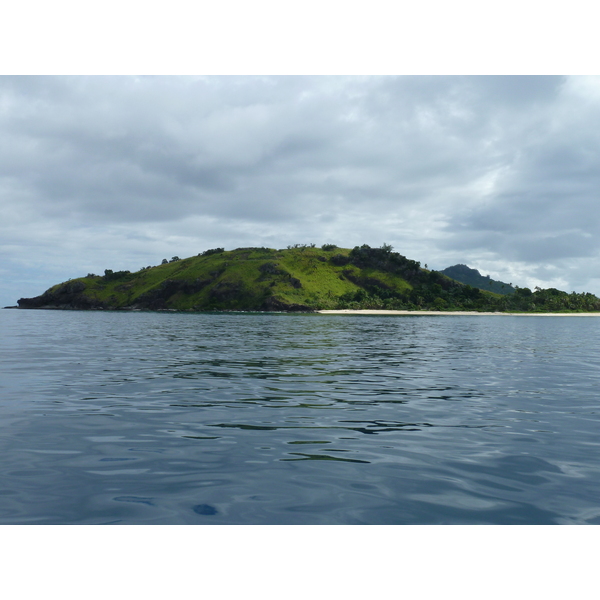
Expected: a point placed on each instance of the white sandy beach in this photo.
(347, 311)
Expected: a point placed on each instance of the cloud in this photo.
(120, 172)
(543, 209)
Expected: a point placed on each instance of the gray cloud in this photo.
(498, 172)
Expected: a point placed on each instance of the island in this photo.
(299, 278)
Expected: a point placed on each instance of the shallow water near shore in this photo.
(159, 418)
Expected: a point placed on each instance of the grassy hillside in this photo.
(299, 278)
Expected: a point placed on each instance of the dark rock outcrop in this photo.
(272, 304)
(69, 295)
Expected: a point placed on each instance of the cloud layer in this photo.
(500, 173)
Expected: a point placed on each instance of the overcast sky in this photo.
(500, 173)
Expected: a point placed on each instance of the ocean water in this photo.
(246, 418)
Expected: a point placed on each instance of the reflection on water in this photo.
(254, 418)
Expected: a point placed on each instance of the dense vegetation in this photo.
(474, 278)
(299, 278)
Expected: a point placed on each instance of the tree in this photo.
(524, 292)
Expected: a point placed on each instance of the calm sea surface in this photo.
(170, 418)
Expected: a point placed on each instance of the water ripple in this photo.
(250, 418)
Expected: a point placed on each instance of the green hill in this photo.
(474, 278)
(299, 278)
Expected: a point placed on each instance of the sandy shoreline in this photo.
(463, 313)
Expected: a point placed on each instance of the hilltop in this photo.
(474, 278)
(299, 278)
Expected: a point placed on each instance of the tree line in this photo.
(433, 291)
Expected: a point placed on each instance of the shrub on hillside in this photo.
(212, 251)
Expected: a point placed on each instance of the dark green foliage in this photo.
(434, 291)
(110, 275)
(328, 247)
(384, 259)
(212, 251)
(339, 260)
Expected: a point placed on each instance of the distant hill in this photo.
(299, 278)
(474, 278)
